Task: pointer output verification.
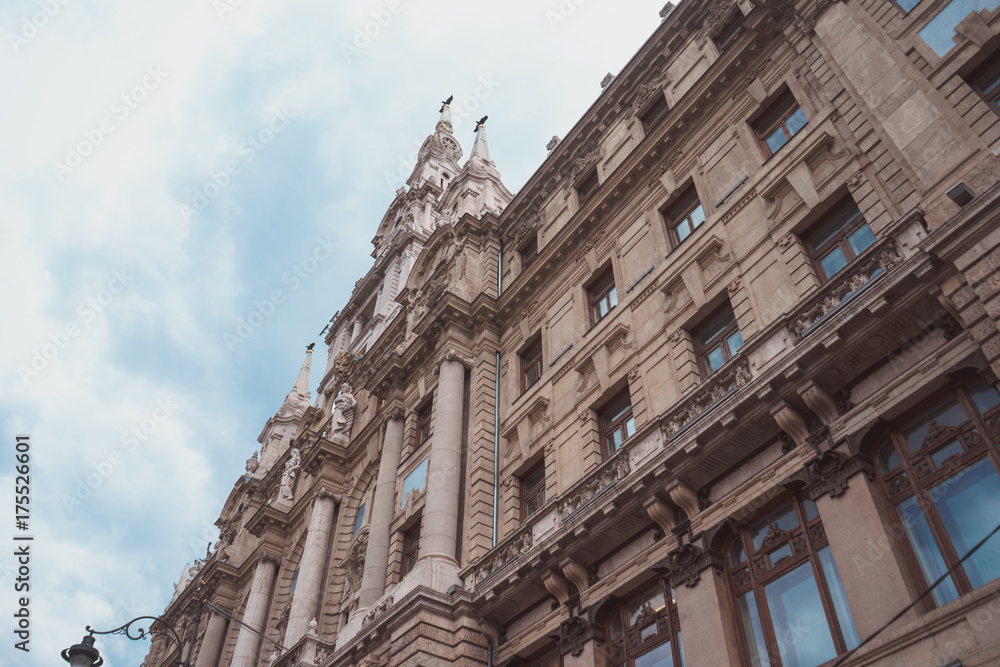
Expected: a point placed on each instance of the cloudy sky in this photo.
(166, 170)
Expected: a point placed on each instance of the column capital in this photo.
(326, 492)
(451, 354)
(395, 413)
(269, 557)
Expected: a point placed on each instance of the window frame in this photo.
(587, 185)
(411, 547)
(733, 23)
(915, 475)
(756, 571)
(720, 339)
(840, 239)
(631, 645)
(531, 357)
(679, 211)
(594, 298)
(537, 492)
(654, 112)
(528, 251)
(763, 132)
(610, 425)
(422, 431)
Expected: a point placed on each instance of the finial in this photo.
(446, 103)
(481, 123)
(310, 346)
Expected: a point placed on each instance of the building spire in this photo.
(481, 147)
(302, 381)
(444, 123)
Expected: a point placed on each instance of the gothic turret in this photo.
(277, 433)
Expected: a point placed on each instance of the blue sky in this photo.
(165, 168)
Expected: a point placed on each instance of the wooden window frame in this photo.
(757, 570)
(975, 81)
(654, 112)
(916, 474)
(702, 350)
(594, 298)
(840, 239)
(537, 492)
(680, 211)
(587, 185)
(423, 424)
(411, 547)
(618, 423)
(631, 645)
(531, 358)
(763, 132)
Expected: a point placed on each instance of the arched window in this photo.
(645, 630)
(791, 606)
(938, 469)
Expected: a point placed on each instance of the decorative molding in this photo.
(451, 354)
(508, 550)
(711, 392)
(830, 472)
(617, 469)
(688, 562)
(378, 609)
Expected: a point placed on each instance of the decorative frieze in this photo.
(378, 609)
(614, 470)
(830, 472)
(737, 376)
(688, 562)
(519, 543)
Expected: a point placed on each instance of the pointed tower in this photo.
(277, 433)
(478, 187)
(437, 161)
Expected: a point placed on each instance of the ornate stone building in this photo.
(718, 386)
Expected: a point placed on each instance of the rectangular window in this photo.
(411, 549)
(602, 295)
(529, 251)
(587, 185)
(840, 236)
(415, 481)
(939, 33)
(779, 122)
(531, 364)
(654, 112)
(729, 30)
(360, 520)
(423, 424)
(717, 340)
(532, 490)
(617, 422)
(985, 80)
(684, 216)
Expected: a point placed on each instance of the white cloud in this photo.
(124, 546)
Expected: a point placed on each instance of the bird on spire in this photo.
(446, 103)
(481, 123)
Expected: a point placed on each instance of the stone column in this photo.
(863, 551)
(707, 621)
(255, 614)
(310, 581)
(211, 645)
(440, 522)
(382, 510)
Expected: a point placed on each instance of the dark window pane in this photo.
(812, 511)
(661, 656)
(776, 140)
(753, 630)
(969, 504)
(796, 121)
(736, 553)
(836, 589)
(698, 216)
(861, 239)
(985, 397)
(836, 219)
(735, 342)
(888, 457)
(715, 359)
(683, 231)
(714, 326)
(948, 413)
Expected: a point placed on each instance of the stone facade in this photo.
(763, 273)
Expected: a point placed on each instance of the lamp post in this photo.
(85, 654)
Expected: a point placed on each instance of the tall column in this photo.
(211, 645)
(440, 522)
(382, 510)
(310, 580)
(247, 644)
(706, 621)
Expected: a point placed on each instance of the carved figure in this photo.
(344, 407)
(288, 476)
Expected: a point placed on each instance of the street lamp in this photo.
(85, 654)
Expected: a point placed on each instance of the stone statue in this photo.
(288, 476)
(344, 407)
